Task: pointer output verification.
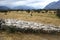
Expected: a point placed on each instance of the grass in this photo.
(46, 18)
(25, 36)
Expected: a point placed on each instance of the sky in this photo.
(32, 3)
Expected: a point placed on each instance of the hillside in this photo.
(53, 5)
(23, 7)
(4, 8)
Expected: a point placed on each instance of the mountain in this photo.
(53, 5)
(23, 7)
(4, 8)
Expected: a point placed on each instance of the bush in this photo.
(12, 29)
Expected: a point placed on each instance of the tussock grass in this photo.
(27, 36)
(46, 18)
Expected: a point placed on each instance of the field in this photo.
(27, 36)
(47, 18)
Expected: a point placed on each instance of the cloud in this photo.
(26, 2)
(33, 3)
(41, 4)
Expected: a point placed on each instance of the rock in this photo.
(26, 25)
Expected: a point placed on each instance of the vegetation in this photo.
(47, 17)
(58, 13)
(36, 16)
(4, 35)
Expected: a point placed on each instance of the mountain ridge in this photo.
(4, 8)
(23, 7)
(53, 5)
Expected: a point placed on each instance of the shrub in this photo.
(12, 29)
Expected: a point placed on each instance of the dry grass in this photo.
(23, 36)
(37, 17)
(46, 18)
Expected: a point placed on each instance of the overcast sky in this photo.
(33, 3)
